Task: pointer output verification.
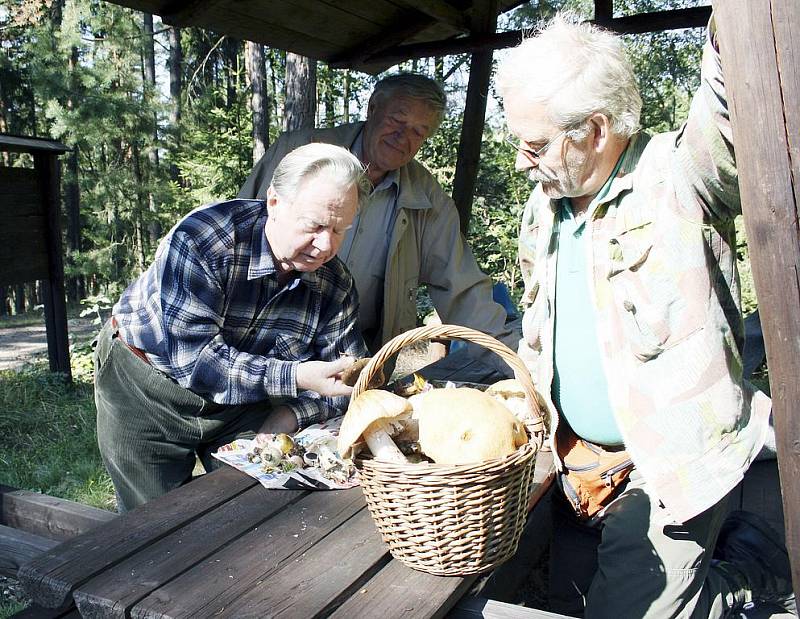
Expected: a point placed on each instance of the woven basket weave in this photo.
(451, 519)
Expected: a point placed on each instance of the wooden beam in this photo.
(441, 11)
(762, 77)
(603, 10)
(469, 147)
(54, 296)
(694, 17)
(18, 547)
(46, 515)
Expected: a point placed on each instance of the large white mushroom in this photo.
(464, 425)
(376, 415)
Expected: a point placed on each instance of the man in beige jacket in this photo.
(408, 233)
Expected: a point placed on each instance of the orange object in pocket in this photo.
(592, 475)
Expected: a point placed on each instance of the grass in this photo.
(48, 440)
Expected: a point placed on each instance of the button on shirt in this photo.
(366, 245)
(210, 313)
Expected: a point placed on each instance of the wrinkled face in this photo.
(565, 166)
(395, 130)
(306, 232)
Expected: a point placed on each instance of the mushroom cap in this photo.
(372, 405)
(464, 425)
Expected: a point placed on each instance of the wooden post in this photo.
(55, 307)
(761, 59)
(469, 147)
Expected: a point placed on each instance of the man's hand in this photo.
(280, 420)
(324, 377)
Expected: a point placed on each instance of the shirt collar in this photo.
(392, 177)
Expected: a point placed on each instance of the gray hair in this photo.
(317, 159)
(412, 85)
(574, 70)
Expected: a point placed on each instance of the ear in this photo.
(272, 199)
(601, 129)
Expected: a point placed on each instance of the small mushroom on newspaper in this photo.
(464, 425)
(376, 415)
(351, 374)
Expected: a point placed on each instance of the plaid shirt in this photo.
(210, 313)
(662, 269)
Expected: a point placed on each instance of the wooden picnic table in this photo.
(225, 546)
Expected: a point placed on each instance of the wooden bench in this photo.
(33, 523)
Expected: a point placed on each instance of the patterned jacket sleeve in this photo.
(704, 167)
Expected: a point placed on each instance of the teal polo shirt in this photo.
(580, 388)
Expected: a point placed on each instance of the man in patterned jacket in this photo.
(633, 334)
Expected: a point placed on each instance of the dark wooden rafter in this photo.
(179, 12)
(375, 46)
(441, 11)
(762, 77)
(694, 17)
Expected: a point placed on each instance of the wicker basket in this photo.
(451, 519)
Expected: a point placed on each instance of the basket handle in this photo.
(454, 332)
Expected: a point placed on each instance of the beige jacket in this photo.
(426, 247)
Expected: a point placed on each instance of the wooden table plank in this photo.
(218, 581)
(50, 579)
(399, 591)
(113, 592)
(317, 581)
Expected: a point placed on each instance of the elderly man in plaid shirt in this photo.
(242, 325)
(633, 334)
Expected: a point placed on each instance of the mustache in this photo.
(538, 176)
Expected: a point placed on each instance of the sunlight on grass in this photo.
(48, 440)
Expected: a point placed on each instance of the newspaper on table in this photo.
(329, 473)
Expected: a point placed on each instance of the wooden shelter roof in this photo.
(372, 35)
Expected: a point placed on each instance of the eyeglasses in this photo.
(534, 155)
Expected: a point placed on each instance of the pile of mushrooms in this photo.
(451, 425)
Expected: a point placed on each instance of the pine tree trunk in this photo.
(231, 55)
(301, 92)
(346, 97)
(259, 99)
(72, 201)
(149, 67)
(175, 65)
(19, 299)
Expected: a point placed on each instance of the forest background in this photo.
(161, 120)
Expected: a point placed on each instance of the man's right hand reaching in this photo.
(324, 377)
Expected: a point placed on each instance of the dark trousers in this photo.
(150, 430)
(628, 562)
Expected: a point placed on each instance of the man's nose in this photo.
(523, 162)
(323, 241)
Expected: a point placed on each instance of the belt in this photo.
(136, 351)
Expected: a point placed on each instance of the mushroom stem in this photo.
(381, 445)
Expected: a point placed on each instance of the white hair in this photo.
(316, 159)
(574, 70)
